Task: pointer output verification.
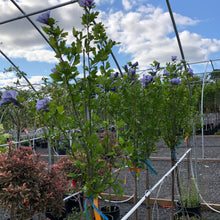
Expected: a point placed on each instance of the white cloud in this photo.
(147, 34)
(127, 4)
(101, 2)
(21, 40)
(10, 78)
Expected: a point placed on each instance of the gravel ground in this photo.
(208, 179)
(208, 175)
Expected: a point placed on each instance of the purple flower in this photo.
(135, 65)
(126, 68)
(157, 66)
(173, 58)
(113, 89)
(146, 80)
(43, 18)
(42, 104)
(131, 72)
(190, 71)
(114, 75)
(86, 3)
(175, 81)
(9, 96)
(175, 74)
(53, 70)
(182, 61)
(166, 73)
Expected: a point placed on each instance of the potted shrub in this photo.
(189, 201)
(26, 186)
(178, 109)
(81, 104)
(73, 174)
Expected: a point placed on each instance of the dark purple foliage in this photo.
(43, 18)
(42, 104)
(175, 81)
(9, 96)
(86, 3)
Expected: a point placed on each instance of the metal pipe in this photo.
(175, 29)
(22, 73)
(38, 12)
(201, 112)
(155, 186)
(20, 9)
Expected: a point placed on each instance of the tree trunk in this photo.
(135, 191)
(173, 184)
(148, 198)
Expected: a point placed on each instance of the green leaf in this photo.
(60, 109)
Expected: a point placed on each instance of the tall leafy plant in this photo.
(139, 118)
(177, 108)
(84, 100)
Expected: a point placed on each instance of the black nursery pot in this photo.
(70, 205)
(114, 211)
(179, 213)
(185, 210)
(110, 217)
(51, 217)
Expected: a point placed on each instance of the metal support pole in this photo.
(22, 73)
(201, 112)
(38, 12)
(175, 29)
(39, 31)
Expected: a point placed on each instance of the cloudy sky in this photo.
(143, 27)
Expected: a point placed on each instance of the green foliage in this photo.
(74, 105)
(190, 197)
(16, 118)
(178, 107)
(3, 139)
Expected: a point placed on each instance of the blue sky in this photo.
(143, 27)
